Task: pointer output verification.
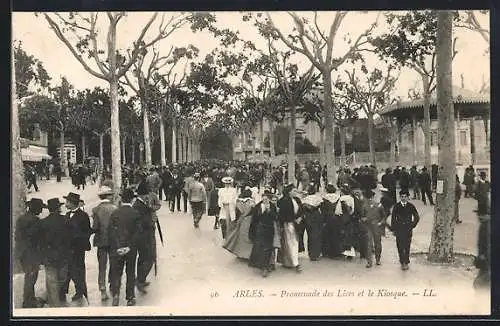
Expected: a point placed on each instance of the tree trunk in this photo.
(441, 247)
(370, 138)
(174, 141)
(147, 139)
(472, 141)
(291, 145)
(18, 198)
(124, 153)
(101, 152)
(64, 165)
(427, 122)
(329, 127)
(162, 142)
(83, 148)
(414, 139)
(189, 152)
(181, 147)
(115, 138)
(272, 152)
(254, 144)
(394, 139)
(261, 137)
(342, 145)
(322, 153)
(132, 140)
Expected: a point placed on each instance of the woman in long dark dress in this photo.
(332, 232)
(237, 242)
(313, 222)
(261, 233)
(213, 200)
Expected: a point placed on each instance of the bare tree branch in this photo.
(55, 27)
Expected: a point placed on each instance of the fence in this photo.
(383, 159)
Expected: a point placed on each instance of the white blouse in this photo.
(227, 196)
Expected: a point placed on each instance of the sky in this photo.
(38, 40)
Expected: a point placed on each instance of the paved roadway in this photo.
(192, 266)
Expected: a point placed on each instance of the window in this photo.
(463, 137)
(434, 138)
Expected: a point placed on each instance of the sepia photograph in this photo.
(245, 163)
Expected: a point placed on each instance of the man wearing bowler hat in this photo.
(146, 245)
(125, 227)
(80, 233)
(56, 252)
(27, 238)
(100, 215)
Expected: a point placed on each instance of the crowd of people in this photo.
(262, 216)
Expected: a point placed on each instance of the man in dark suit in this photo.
(80, 233)
(177, 185)
(27, 237)
(404, 219)
(124, 229)
(56, 251)
(425, 186)
(166, 181)
(146, 244)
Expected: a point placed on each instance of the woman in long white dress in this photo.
(227, 204)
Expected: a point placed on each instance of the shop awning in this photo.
(29, 155)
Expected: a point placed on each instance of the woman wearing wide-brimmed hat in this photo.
(227, 203)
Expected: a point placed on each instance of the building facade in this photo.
(35, 149)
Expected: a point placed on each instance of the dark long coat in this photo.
(27, 238)
(261, 233)
(56, 240)
(80, 231)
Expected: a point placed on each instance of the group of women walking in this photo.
(269, 231)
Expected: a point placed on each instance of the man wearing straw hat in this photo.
(27, 237)
(56, 251)
(80, 231)
(197, 197)
(100, 215)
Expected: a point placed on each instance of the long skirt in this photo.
(237, 242)
(198, 208)
(288, 254)
(314, 228)
(332, 239)
(225, 215)
(262, 249)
